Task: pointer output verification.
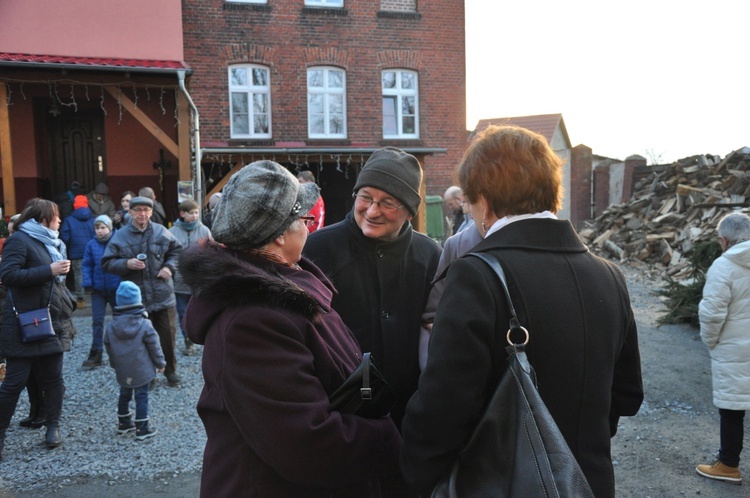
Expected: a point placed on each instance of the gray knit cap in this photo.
(103, 218)
(394, 171)
(259, 203)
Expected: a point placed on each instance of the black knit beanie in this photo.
(394, 171)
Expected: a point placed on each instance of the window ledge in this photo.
(331, 11)
(395, 142)
(318, 142)
(256, 7)
(390, 14)
(252, 142)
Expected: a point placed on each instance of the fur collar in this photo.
(232, 278)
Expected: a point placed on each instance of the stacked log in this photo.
(673, 207)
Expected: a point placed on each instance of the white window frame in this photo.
(324, 3)
(399, 94)
(327, 93)
(246, 1)
(251, 90)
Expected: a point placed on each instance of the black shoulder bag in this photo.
(516, 449)
(365, 392)
(35, 324)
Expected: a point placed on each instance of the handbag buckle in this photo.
(366, 393)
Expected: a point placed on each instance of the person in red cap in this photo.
(76, 231)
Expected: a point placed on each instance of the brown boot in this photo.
(719, 471)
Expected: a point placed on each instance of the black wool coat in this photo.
(25, 271)
(583, 346)
(382, 291)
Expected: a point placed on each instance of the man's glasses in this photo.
(308, 220)
(141, 210)
(384, 205)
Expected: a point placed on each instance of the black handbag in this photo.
(365, 392)
(516, 449)
(35, 324)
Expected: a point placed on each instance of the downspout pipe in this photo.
(197, 151)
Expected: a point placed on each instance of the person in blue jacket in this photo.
(102, 285)
(76, 231)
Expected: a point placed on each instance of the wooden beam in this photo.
(6, 154)
(142, 118)
(222, 182)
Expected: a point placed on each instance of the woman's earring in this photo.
(484, 227)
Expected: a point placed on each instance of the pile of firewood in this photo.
(673, 208)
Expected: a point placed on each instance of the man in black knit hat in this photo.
(382, 270)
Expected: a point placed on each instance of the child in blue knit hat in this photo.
(136, 355)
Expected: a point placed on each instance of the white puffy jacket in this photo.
(725, 326)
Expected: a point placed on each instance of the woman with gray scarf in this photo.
(33, 269)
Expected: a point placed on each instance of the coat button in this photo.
(380, 253)
(385, 315)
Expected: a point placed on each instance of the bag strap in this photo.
(514, 324)
(13, 305)
(366, 391)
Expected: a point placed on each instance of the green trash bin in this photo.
(435, 228)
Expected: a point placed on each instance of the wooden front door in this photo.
(76, 149)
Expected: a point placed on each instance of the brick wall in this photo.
(363, 38)
(580, 185)
(399, 5)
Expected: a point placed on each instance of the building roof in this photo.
(544, 124)
(100, 63)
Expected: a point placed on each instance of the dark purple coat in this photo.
(583, 346)
(274, 351)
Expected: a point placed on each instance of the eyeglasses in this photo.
(141, 210)
(308, 220)
(384, 205)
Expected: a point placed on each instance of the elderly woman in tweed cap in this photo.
(274, 350)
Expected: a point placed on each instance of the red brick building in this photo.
(89, 92)
(320, 84)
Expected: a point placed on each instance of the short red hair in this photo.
(514, 169)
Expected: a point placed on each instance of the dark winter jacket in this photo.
(583, 345)
(383, 288)
(94, 277)
(274, 351)
(187, 238)
(106, 207)
(162, 249)
(133, 346)
(76, 231)
(26, 273)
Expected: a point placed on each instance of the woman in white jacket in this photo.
(725, 328)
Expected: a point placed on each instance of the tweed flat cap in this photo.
(259, 203)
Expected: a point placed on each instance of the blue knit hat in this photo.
(128, 294)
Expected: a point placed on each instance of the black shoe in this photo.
(173, 380)
(144, 430)
(52, 438)
(32, 422)
(94, 360)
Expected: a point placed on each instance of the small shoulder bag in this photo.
(35, 324)
(516, 449)
(365, 392)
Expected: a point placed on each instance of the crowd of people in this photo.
(286, 307)
(122, 259)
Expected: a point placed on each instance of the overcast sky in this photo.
(664, 79)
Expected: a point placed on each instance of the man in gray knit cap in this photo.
(381, 267)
